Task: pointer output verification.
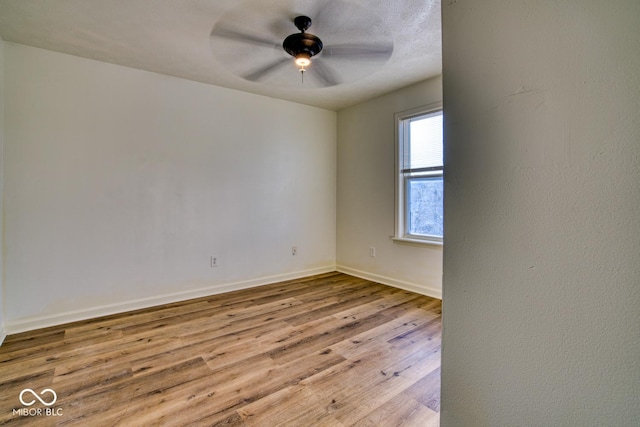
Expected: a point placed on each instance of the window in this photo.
(419, 189)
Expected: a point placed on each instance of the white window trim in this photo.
(400, 190)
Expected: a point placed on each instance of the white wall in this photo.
(120, 184)
(2, 328)
(366, 194)
(542, 224)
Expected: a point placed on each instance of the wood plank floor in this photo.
(327, 350)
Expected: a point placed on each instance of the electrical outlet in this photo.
(213, 261)
(372, 251)
(294, 250)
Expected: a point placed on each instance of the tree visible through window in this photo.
(424, 202)
(420, 176)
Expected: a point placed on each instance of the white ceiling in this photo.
(173, 37)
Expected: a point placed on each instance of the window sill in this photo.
(417, 242)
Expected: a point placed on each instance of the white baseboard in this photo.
(407, 286)
(2, 337)
(33, 323)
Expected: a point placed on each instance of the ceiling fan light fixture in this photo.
(302, 60)
(302, 46)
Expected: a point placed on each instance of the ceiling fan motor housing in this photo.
(302, 43)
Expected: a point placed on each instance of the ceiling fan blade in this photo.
(324, 73)
(325, 15)
(265, 70)
(358, 51)
(231, 34)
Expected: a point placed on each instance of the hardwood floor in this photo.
(327, 350)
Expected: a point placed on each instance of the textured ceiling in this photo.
(174, 37)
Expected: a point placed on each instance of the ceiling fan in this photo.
(306, 51)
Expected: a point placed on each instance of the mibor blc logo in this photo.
(47, 397)
(54, 397)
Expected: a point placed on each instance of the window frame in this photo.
(402, 179)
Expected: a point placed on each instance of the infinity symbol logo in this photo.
(46, 390)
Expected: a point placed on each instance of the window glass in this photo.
(425, 212)
(425, 135)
